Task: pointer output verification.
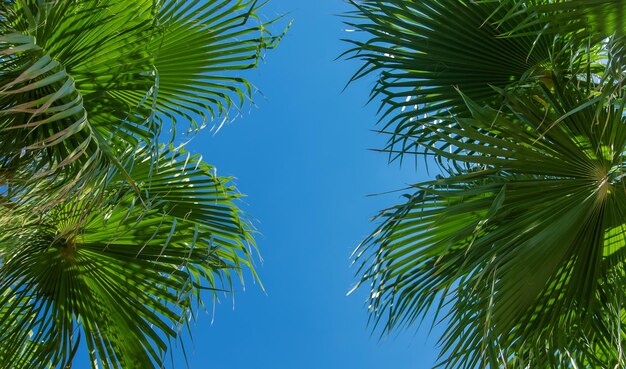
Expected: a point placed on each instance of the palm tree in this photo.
(111, 233)
(519, 243)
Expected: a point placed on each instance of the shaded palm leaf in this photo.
(522, 241)
(52, 120)
(421, 50)
(597, 19)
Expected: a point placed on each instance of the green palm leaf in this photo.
(597, 19)
(522, 240)
(421, 51)
(198, 52)
(582, 23)
(126, 275)
(108, 235)
(50, 109)
(83, 82)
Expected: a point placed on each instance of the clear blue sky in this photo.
(301, 157)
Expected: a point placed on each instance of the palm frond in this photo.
(597, 19)
(51, 124)
(125, 275)
(109, 238)
(83, 82)
(522, 241)
(420, 51)
(199, 54)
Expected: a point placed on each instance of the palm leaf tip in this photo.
(211, 83)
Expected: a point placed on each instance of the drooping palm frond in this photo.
(523, 240)
(125, 275)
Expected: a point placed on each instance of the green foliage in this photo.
(520, 241)
(81, 82)
(108, 236)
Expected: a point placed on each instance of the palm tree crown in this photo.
(520, 240)
(110, 232)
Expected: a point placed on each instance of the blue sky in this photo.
(301, 156)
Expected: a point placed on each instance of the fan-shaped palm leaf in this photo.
(523, 239)
(125, 274)
(522, 236)
(83, 82)
(198, 50)
(422, 50)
